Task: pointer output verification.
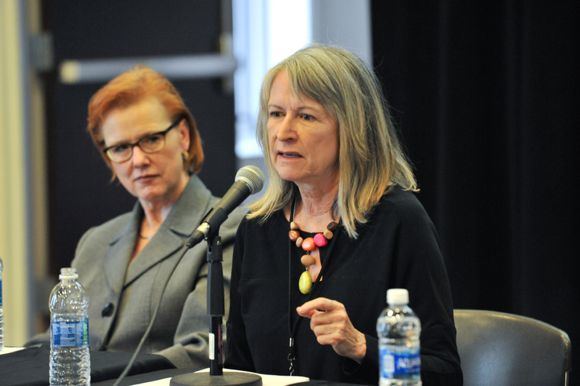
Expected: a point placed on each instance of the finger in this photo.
(319, 304)
(311, 305)
(304, 312)
(336, 318)
(322, 329)
(308, 312)
(326, 335)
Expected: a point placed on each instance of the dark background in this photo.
(484, 95)
(80, 192)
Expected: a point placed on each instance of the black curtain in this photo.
(484, 95)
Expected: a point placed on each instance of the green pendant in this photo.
(305, 283)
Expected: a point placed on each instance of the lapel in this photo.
(119, 252)
(183, 218)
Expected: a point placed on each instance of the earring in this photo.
(186, 161)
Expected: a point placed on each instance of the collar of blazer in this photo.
(183, 218)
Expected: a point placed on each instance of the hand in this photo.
(330, 323)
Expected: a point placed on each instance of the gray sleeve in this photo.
(190, 347)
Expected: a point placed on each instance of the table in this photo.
(163, 377)
(29, 367)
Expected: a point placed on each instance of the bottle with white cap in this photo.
(69, 332)
(398, 330)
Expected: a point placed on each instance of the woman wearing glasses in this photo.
(149, 140)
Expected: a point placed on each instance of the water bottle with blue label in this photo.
(69, 332)
(398, 330)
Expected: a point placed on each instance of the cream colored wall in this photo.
(22, 206)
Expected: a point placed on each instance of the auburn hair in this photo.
(131, 87)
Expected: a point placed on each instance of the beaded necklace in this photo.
(293, 321)
(309, 245)
(328, 235)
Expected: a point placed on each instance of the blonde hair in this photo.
(371, 159)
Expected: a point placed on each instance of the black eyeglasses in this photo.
(149, 143)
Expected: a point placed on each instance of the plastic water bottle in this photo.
(1, 309)
(398, 329)
(69, 332)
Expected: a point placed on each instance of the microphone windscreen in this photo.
(252, 176)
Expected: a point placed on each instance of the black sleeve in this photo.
(420, 268)
(368, 368)
(238, 355)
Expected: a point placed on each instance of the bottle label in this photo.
(70, 333)
(402, 363)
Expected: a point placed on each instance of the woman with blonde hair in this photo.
(338, 225)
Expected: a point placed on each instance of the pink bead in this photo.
(320, 240)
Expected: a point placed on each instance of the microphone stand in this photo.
(215, 309)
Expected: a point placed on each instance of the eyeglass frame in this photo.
(132, 145)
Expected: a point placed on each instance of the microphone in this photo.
(249, 180)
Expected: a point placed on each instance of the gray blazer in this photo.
(123, 296)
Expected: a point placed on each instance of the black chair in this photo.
(498, 348)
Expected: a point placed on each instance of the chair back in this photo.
(498, 348)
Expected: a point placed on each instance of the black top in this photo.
(397, 248)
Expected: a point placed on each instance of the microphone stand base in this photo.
(228, 378)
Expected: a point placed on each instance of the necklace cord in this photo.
(291, 350)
